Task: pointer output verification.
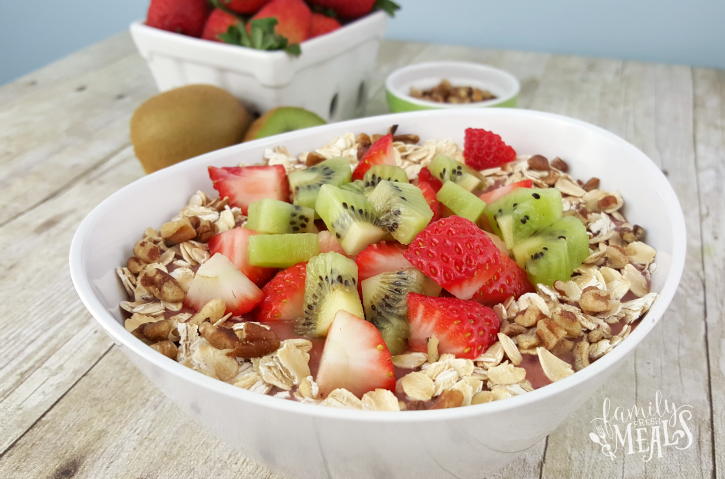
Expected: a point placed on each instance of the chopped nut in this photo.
(568, 321)
(530, 340)
(560, 164)
(538, 163)
(162, 285)
(432, 349)
(591, 184)
(179, 231)
(146, 251)
(529, 317)
(448, 399)
(212, 311)
(413, 139)
(510, 348)
(256, 341)
(512, 329)
(380, 400)
(554, 368)
(563, 347)
(167, 348)
(594, 301)
(551, 178)
(550, 332)
(418, 386)
(314, 158)
(160, 331)
(135, 265)
(132, 323)
(219, 337)
(409, 360)
(581, 355)
(616, 257)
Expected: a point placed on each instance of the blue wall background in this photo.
(692, 32)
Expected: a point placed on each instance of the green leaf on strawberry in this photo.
(388, 6)
(261, 36)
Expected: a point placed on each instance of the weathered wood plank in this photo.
(49, 339)
(651, 106)
(710, 147)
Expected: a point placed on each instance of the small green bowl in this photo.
(427, 75)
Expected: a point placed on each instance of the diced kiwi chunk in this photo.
(283, 250)
(553, 253)
(522, 212)
(378, 173)
(277, 217)
(330, 286)
(461, 201)
(401, 209)
(446, 169)
(384, 297)
(357, 186)
(305, 184)
(350, 217)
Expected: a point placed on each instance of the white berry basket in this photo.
(331, 77)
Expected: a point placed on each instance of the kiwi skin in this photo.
(186, 122)
(282, 120)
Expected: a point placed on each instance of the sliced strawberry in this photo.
(430, 197)
(354, 357)
(383, 257)
(380, 153)
(425, 176)
(456, 254)
(245, 185)
(491, 196)
(233, 244)
(509, 280)
(329, 244)
(463, 328)
(284, 295)
(484, 149)
(218, 278)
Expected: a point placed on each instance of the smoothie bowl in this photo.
(360, 436)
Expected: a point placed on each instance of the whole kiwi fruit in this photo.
(186, 122)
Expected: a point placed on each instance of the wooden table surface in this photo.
(71, 405)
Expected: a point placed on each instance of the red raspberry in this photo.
(456, 254)
(485, 149)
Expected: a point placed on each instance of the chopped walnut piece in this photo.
(568, 321)
(256, 341)
(581, 355)
(509, 347)
(591, 184)
(616, 257)
(342, 398)
(551, 178)
(560, 164)
(512, 329)
(146, 251)
(138, 319)
(314, 158)
(529, 340)
(409, 360)
(529, 317)
(538, 163)
(594, 301)
(380, 400)
(135, 265)
(178, 231)
(448, 399)
(219, 337)
(418, 386)
(161, 284)
(167, 348)
(550, 332)
(554, 368)
(212, 311)
(160, 330)
(563, 347)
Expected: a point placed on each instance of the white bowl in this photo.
(313, 441)
(424, 76)
(331, 77)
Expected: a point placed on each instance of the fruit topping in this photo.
(463, 328)
(384, 297)
(378, 173)
(445, 168)
(357, 186)
(245, 185)
(354, 358)
(425, 176)
(293, 18)
(381, 257)
(493, 195)
(282, 251)
(305, 184)
(322, 24)
(523, 211)
(380, 153)
(484, 149)
(219, 278)
(430, 197)
(509, 280)
(277, 217)
(461, 201)
(350, 216)
(553, 253)
(330, 286)
(456, 254)
(217, 23)
(180, 16)
(234, 244)
(401, 209)
(328, 243)
(284, 296)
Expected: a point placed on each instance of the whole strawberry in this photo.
(485, 149)
(456, 254)
(347, 8)
(293, 19)
(180, 16)
(217, 23)
(322, 24)
(246, 7)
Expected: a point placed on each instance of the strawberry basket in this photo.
(331, 77)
